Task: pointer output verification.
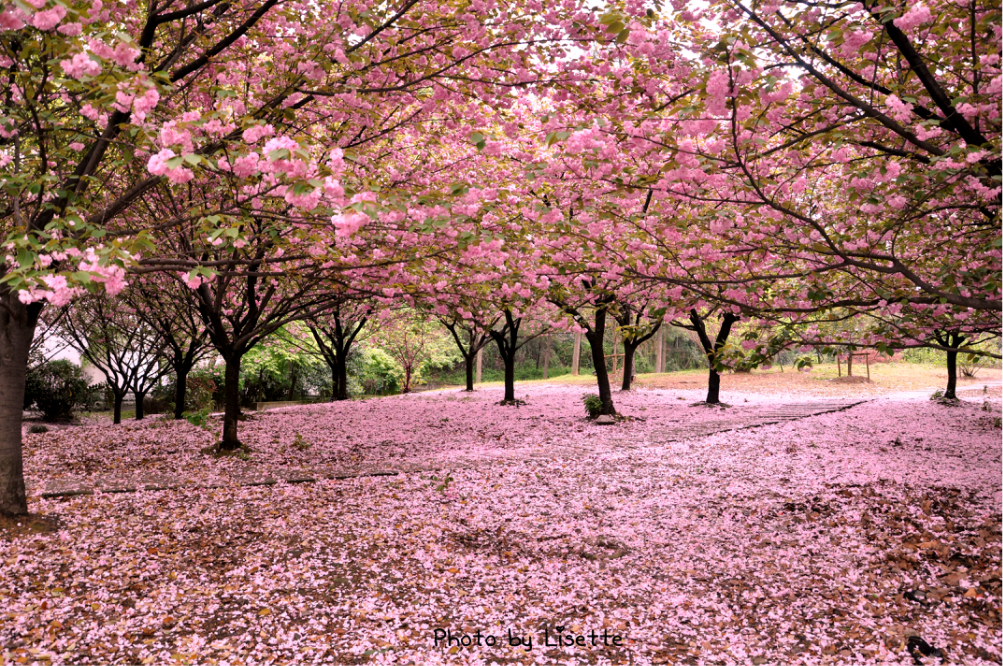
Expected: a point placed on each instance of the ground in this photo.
(790, 528)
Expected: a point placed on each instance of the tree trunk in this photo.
(117, 409)
(595, 338)
(231, 402)
(712, 349)
(509, 360)
(17, 328)
(407, 380)
(714, 388)
(576, 355)
(180, 393)
(629, 352)
(140, 413)
(480, 364)
(659, 360)
(952, 376)
(546, 358)
(468, 361)
(952, 341)
(341, 373)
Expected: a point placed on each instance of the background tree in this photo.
(113, 338)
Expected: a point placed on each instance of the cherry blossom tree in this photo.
(115, 340)
(335, 331)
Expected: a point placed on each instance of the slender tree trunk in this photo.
(629, 352)
(180, 392)
(712, 349)
(659, 345)
(17, 328)
(576, 355)
(546, 358)
(952, 376)
(714, 387)
(292, 386)
(595, 338)
(468, 361)
(231, 402)
(953, 341)
(480, 364)
(117, 409)
(140, 412)
(407, 379)
(341, 370)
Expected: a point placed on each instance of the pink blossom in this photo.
(917, 15)
(12, 19)
(246, 165)
(48, 19)
(253, 134)
(157, 164)
(69, 29)
(347, 225)
(79, 66)
(124, 55)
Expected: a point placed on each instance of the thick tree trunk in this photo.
(509, 360)
(117, 409)
(468, 361)
(180, 393)
(231, 403)
(17, 328)
(595, 338)
(629, 352)
(341, 381)
(140, 412)
(714, 387)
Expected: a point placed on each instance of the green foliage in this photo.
(38, 429)
(803, 362)
(593, 405)
(55, 388)
(300, 444)
(278, 369)
(374, 372)
(441, 485)
(199, 419)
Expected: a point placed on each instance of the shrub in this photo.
(55, 388)
(593, 405)
(38, 429)
(199, 418)
(376, 371)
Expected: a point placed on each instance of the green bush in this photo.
(593, 405)
(55, 388)
(374, 371)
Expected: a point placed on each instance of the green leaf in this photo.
(174, 162)
(193, 159)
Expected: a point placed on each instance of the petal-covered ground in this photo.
(847, 537)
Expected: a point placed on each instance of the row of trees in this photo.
(823, 175)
